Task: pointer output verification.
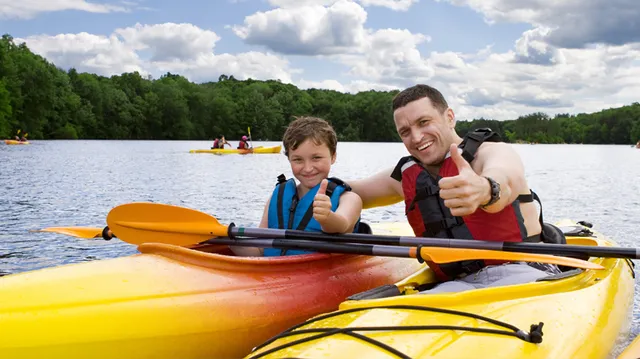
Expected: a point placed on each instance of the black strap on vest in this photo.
(281, 182)
(309, 213)
(423, 193)
(474, 139)
(331, 186)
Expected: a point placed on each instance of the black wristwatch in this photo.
(495, 192)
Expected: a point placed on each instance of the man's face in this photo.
(426, 132)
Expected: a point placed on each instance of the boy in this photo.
(316, 203)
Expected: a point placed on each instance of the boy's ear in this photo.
(333, 158)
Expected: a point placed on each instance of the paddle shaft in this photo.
(326, 247)
(524, 247)
(434, 254)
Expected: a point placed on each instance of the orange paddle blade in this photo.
(143, 222)
(80, 232)
(448, 255)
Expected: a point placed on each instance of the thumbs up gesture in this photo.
(322, 203)
(464, 193)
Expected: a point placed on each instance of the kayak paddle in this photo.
(432, 254)
(80, 232)
(185, 226)
(143, 222)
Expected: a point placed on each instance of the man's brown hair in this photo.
(417, 92)
(306, 127)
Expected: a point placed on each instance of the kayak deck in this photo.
(257, 150)
(583, 315)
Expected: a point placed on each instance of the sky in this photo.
(496, 59)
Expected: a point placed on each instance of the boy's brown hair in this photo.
(306, 127)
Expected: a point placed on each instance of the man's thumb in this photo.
(456, 156)
(323, 186)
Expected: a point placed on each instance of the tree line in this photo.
(51, 103)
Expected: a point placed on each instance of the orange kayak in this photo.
(176, 302)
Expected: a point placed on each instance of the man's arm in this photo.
(502, 163)
(378, 190)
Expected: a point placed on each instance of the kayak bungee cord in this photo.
(533, 336)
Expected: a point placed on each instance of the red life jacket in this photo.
(242, 145)
(215, 144)
(429, 217)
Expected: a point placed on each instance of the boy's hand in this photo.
(322, 203)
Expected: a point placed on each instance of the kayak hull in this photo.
(14, 142)
(583, 315)
(174, 302)
(229, 151)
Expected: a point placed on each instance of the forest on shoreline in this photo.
(47, 102)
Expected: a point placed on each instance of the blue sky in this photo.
(492, 58)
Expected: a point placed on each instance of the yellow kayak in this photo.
(632, 351)
(227, 151)
(583, 312)
(177, 302)
(14, 142)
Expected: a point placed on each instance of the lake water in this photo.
(76, 183)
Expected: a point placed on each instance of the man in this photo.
(471, 188)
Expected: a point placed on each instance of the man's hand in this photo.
(467, 191)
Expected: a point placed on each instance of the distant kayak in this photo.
(257, 150)
(14, 142)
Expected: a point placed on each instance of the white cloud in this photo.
(300, 3)
(86, 52)
(26, 9)
(531, 48)
(390, 56)
(397, 5)
(308, 30)
(208, 67)
(353, 87)
(170, 41)
(179, 48)
(574, 23)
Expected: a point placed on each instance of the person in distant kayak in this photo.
(466, 188)
(220, 142)
(317, 202)
(243, 144)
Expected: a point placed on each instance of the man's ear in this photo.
(451, 118)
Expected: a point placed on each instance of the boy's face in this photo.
(311, 163)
